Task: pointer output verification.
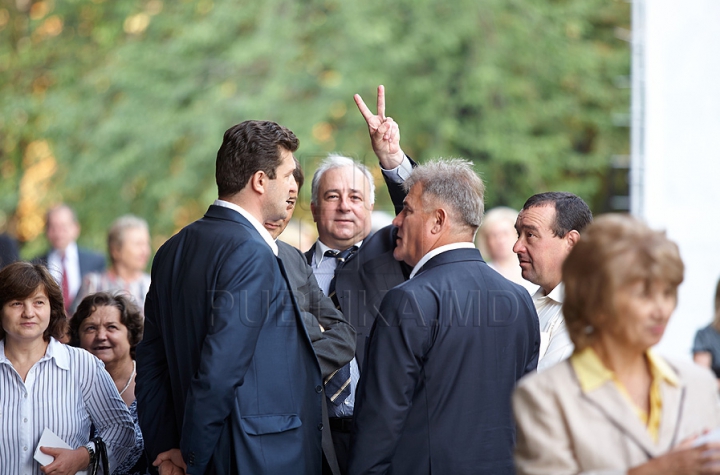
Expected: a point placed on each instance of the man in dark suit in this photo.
(227, 378)
(448, 345)
(8, 250)
(67, 262)
(350, 266)
(333, 338)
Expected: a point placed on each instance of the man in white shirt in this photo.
(548, 227)
(67, 262)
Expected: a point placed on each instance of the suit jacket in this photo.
(442, 360)
(562, 430)
(364, 278)
(90, 261)
(226, 371)
(335, 346)
(8, 250)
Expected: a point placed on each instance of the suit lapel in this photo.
(608, 399)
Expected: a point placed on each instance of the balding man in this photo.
(447, 346)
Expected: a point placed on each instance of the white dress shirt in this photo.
(440, 250)
(555, 343)
(324, 269)
(72, 267)
(66, 390)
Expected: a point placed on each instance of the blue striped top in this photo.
(66, 391)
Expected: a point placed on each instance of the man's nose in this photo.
(344, 203)
(518, 246)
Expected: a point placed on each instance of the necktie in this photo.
(65, 284)
(337, 385)
(341, 256)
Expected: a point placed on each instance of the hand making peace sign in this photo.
(384, 132)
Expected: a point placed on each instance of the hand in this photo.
(384, 132)
(684, 460)
(67, 462)
(170, 462)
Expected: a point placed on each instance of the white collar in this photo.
(320, 249)
(439, 250)
(71, 253)
(557, 294)
(264, 233)
(55, 350)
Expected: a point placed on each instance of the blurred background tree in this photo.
(119, 106)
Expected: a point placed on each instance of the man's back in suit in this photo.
(447, 346)
(233, 351)
(459, 336)
(227, 378)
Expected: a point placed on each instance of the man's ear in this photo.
(440, 217)
(258, 182)
(315, 212)
(572, 238)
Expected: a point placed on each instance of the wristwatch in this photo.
(91, 451)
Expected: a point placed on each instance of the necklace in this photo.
(127, 385)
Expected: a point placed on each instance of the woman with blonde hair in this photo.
(129, 249)
(616, 407)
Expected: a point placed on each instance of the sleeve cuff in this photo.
(400, 173)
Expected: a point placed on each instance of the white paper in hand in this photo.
(50, 439)
(712, 436)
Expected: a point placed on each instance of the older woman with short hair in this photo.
(129, 249)
(616, 407)
(110, 327)
(47, 385)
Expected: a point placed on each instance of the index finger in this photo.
(381, 102)
(363, 108)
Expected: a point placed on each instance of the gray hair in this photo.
(454, 183)
(338, 161)
(116, 233)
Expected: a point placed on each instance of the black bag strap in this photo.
(101, 457)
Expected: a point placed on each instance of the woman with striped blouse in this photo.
(45, 384)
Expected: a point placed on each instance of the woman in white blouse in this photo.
(47, 385)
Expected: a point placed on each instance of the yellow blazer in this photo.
(561, 430)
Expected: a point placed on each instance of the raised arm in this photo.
(385, 139)
(384, 132)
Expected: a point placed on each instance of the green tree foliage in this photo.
(131, 97)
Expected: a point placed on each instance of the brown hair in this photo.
(614, 251)
(130, 316)
(20, 280)
(247, 148)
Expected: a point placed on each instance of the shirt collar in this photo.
(592, 373)
(71, 253)
(320, 249)
(55, 350)
(264, 233)
(557, 294)
(439, 250)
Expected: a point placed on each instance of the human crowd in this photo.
(398, 351)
